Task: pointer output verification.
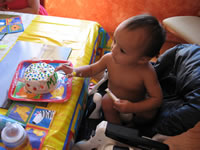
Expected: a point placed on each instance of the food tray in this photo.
(18, 92)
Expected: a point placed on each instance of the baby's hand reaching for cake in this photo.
(66, 69)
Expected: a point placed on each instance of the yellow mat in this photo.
(85, 38)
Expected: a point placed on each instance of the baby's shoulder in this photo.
(147, 68)
(148, 71)
(107, 56)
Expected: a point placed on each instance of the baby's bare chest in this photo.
(129, 79)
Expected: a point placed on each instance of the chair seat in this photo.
(185, 27)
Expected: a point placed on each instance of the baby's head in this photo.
(155, 33)
(140, 36)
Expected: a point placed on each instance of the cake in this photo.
(40, 78)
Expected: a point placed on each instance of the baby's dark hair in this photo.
(157, 33)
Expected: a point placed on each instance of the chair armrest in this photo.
(131, 137)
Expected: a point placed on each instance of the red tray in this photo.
(62, 93)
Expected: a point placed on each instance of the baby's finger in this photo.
(58, 68)
(115, 107)
(64, 68)
(117, 103)
(61, 67)
(69, 75)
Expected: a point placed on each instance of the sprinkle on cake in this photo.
(38, 71)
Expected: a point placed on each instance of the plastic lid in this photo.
(13, 133)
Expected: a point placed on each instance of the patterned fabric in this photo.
(42, 11)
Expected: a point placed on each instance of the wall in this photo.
(109, 13)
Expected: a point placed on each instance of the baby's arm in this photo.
(88, 70)
(154, 97)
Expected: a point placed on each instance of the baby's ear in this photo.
(144, 59)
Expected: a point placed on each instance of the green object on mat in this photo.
(3, 46)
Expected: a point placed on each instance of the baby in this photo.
(131, 77)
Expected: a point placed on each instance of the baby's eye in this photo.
(121, 50)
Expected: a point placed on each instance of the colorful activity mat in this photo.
(18, 92)
(88, 41)
(11, 25)
(8, 40)
(36, 120)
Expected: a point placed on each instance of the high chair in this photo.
(178, 71)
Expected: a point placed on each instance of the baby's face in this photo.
(128, 45)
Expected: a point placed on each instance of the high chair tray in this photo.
(62, 93)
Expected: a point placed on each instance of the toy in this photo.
(112, 95)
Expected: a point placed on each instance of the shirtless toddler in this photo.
(131, 77)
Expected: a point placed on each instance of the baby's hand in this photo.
(121, 106)
(67, 70)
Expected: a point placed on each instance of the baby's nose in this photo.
(114, 50)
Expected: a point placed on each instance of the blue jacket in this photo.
(178, 71)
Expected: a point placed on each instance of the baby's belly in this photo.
(129, 94)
